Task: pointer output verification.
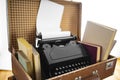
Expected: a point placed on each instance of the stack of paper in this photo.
(29, 56)
(49, 19)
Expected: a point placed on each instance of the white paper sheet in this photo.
(55, 34)
(49, 17)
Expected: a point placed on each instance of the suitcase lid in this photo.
(22, 16)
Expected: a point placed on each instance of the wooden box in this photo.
(22, 23)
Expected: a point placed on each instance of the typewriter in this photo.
(61, 55)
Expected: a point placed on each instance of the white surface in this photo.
(104, 12)
(49, 16)
(5, 61)
(3, 25)
(5, 56)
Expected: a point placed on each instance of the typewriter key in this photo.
(56, 69)
(62, 72)
(69, 66)
(73, 65)
(66, 70)
(56, 73)
(63, 67)
(59, 72)
(60, 68)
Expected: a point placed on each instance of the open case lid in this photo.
(22, 19)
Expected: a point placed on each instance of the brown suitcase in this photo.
(22, 23)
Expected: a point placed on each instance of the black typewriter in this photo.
(61, 55)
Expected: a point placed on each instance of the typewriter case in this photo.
(22, 23)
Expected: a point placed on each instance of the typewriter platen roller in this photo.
(62, 55)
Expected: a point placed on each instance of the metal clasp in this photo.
(78, 78)
(97, 74)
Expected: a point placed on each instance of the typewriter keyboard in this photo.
(69, 67)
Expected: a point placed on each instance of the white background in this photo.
(3, 26)
(5, 55)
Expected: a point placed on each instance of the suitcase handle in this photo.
(94, 73)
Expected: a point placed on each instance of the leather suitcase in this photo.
(22, 23)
